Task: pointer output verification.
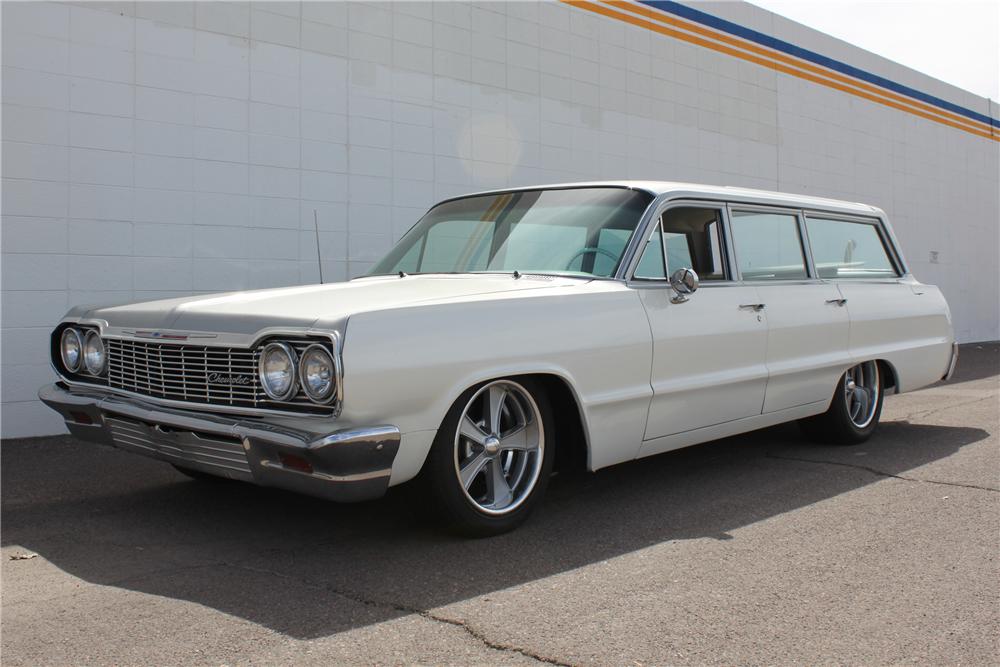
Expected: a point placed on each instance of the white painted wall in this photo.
(157, 149)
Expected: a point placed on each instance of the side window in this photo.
(650, 265)
(694, 241)
(843, 249)
(768, 246)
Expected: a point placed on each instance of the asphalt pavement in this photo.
(762, 548)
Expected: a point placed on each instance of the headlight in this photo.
(94, 357)
(71, 349)
(277, 371)
(317, 374)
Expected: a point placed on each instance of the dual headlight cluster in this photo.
(282, 371)
(82, 351)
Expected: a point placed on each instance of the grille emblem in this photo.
(221, 378)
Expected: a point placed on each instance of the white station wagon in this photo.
(509, 332)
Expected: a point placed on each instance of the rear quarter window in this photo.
(843, 249)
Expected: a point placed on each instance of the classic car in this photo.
(511, 332)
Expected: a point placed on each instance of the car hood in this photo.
(311, 305)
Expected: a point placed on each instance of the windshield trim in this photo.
(623, 261)
(554, 274)
(546, 188)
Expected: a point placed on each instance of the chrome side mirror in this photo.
(683, 282)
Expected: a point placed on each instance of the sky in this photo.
(957, 41)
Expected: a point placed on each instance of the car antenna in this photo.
(517, 274)
(319, 258)
(402, 274)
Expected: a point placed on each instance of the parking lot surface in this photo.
(761, 548)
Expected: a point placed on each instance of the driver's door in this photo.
(709, 350)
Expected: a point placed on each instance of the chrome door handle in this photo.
(756, 307)
(839, 302)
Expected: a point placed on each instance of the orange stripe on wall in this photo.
(795, 62)
(656, 27)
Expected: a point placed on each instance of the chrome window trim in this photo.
(803, 246)
(660, 206)
(666, 200)
(623, 260)
(220, 341)
(887, 239)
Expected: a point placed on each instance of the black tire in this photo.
(835, 426)
(457, 510)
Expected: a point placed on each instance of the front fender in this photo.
(410, 364)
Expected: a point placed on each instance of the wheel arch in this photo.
(572, 434)
(890, 379)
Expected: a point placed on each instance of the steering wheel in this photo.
(583, 251)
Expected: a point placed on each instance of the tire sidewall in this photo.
(849, 431)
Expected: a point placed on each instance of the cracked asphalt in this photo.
(756, 549)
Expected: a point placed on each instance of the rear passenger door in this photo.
(886, 314)
(807, 321)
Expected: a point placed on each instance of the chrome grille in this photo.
(188, 373)
(222, 456)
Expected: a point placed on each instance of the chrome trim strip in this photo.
(952, 363)
(670, 199)
(187, 405)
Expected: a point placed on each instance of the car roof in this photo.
(680, 190)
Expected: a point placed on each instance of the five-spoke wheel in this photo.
(492, 457)
(499, 447)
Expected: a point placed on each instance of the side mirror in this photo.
(683, 282)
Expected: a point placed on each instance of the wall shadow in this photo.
(301, 566)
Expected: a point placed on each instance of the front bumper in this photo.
(348, 465)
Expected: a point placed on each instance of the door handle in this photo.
(756, 307)
(839, 302)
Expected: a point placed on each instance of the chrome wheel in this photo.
(499, 447)
(861, 392)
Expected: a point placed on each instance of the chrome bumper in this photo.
(952, 362)
(349, 465)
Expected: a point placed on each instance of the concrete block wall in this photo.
(154, 149)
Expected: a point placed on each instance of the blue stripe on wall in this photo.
(779, 45)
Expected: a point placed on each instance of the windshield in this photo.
(576, 231)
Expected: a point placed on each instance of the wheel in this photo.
(198, 475)
(491, 459)
(855, 409)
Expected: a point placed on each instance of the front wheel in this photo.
(491, 460)
(855, 409)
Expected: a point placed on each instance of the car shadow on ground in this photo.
(307, 568)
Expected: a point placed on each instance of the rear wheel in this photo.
(491, 460)
(855, 409)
